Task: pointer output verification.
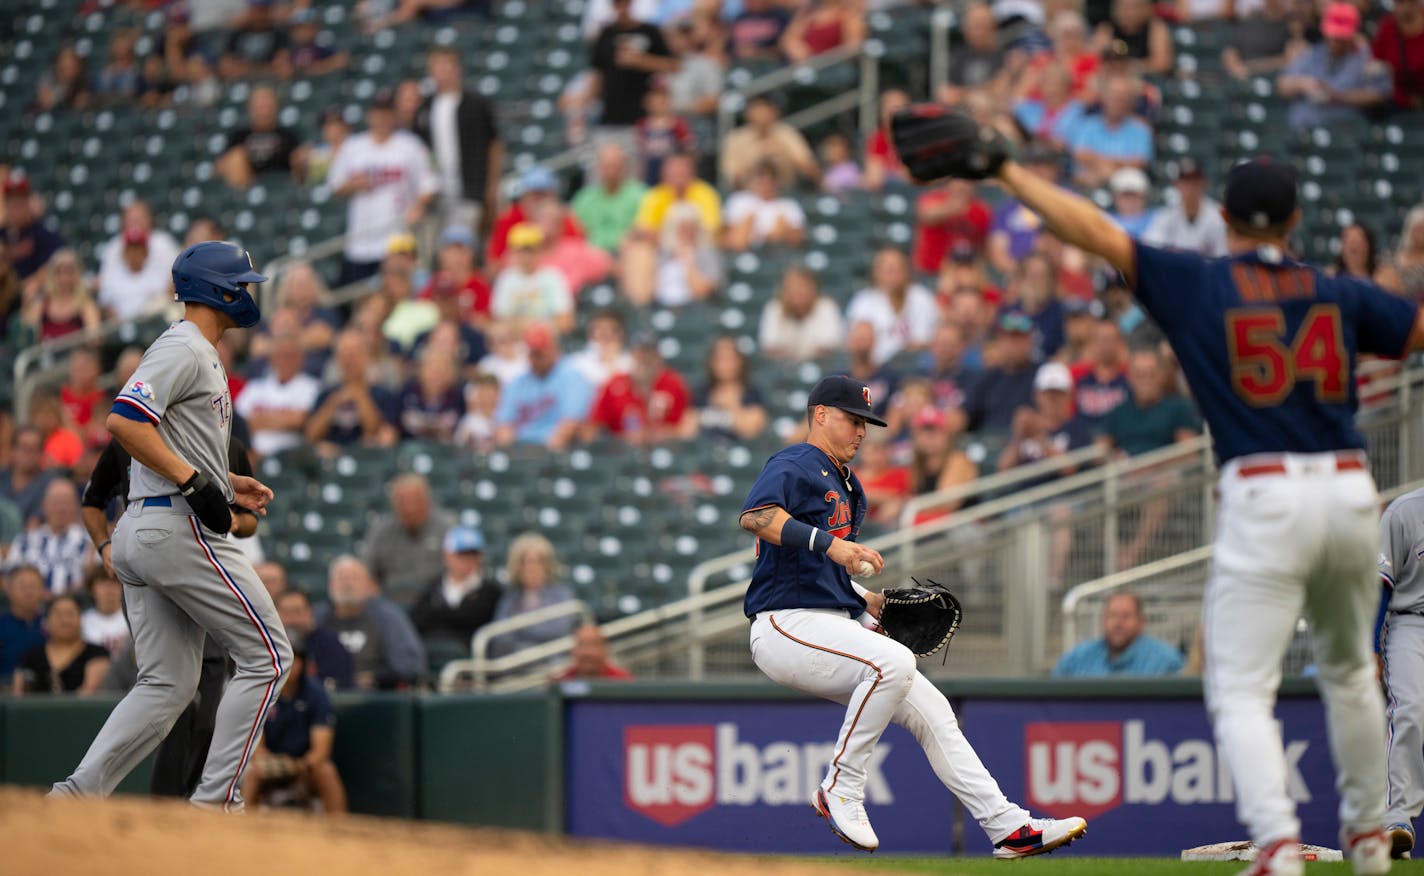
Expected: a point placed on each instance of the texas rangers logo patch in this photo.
(141, 389)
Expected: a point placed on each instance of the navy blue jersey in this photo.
(811, 487)
(1268, 344)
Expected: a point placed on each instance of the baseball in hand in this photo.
(866, 569)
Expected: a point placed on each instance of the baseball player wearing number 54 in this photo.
(182, 576)
(812, 630)
(1268, 345)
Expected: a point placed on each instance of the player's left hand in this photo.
(251, 494)
(874, 604)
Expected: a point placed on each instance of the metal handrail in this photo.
(481, 666)
(1090, 455)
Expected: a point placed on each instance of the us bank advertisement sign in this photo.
(737, 776)
(1147, 774)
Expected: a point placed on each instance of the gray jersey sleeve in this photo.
(1401, 543)
(165, 376)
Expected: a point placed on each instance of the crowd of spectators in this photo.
(977, 326)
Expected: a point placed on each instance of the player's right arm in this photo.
(1072, 218)
(144, 444)
(772, 524)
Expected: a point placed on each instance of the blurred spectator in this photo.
(293, 756)
(589, 660)
(1071, 50)
(11, 300)
(1104, 144)
(537, 186)
(62, 445)
(821, 26)
(949, 219)
(201, 229)
(317, 158)
(263, 147)
(431, 404)
(119, 79)
(1358, 256)
(1053, 115)
(352, 412)
(1038, 299)
(1149, 418)
(545, 404)
(1404, 273)
(696, 87)
(755, 33)
(432, 11)
(22, 622)
(605, 356)
(886, 485)
(760, 214)
(30, 239)
(1001, 389)
(800, 323)
(507, 358)
(525, 291)
(463, 598)
(1130, 192)
(882, 381)
(1133, 26)
(58, 547)
(305, 56)
(680, 185)
(1258, 42)
(946, 367)
(689, 265)
(459, 127)
(1336, 80)
(81, 393)
(608, 205)
(598, 14)
(128, 286)
(302, 298)
(1049, 428)
(404, 315)
(273, 576)
(763, 139)
(65, 86)
(1399, 42)
(277, 404)
(581, 263)
(979, 62)
(103, 623)
(659, 133)
(882, 165)
(1014, 229)
(328, 661)
(936, 461)
(625, 57)
(1100, 381)
(1192, 223)
(384, 646)
(1124, 649)
(387, 175)
(838, 158)
(644, 405)
(533, 573)
(476, 430)
(24, 481)
(65, 663)
(727, 406)
(64, 305)
(254, 44)
(904, 313)
(456, 275)
(457, 341)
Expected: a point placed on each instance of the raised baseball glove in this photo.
(936, 141)
(923, 618)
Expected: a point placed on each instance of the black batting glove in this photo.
(208, 503)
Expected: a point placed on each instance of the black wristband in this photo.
(103, 544)
(207, 502)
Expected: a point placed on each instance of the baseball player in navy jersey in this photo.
(1268, 346)
(182, 576)
(1401, 641)
(814, 630)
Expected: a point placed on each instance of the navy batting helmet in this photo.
(214, 273)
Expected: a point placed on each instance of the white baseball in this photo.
(866, 569)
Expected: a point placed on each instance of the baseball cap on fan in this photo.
(1260, 193)
(1053, 376)
(1341, 21)
(16, 185)
(846, 394)
(463, 540)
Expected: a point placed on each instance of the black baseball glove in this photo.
(923, 618)
(936, 141)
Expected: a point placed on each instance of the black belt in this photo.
(1418, 613)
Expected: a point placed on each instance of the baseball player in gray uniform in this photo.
(1401, 567)
(182, 575)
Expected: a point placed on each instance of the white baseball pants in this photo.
(829, 655)
(1404, 693)
(1295, 533)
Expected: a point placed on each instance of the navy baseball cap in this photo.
(1260, 193)
(847, 394)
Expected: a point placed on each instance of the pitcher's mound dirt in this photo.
(129, 836)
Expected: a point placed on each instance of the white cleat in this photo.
(1280, 858)
(1039, 837)
(847, 819)
(1369, 853)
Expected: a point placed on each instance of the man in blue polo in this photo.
(1124, 649)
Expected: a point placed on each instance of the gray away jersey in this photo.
(181, 387)
(1401, 559)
